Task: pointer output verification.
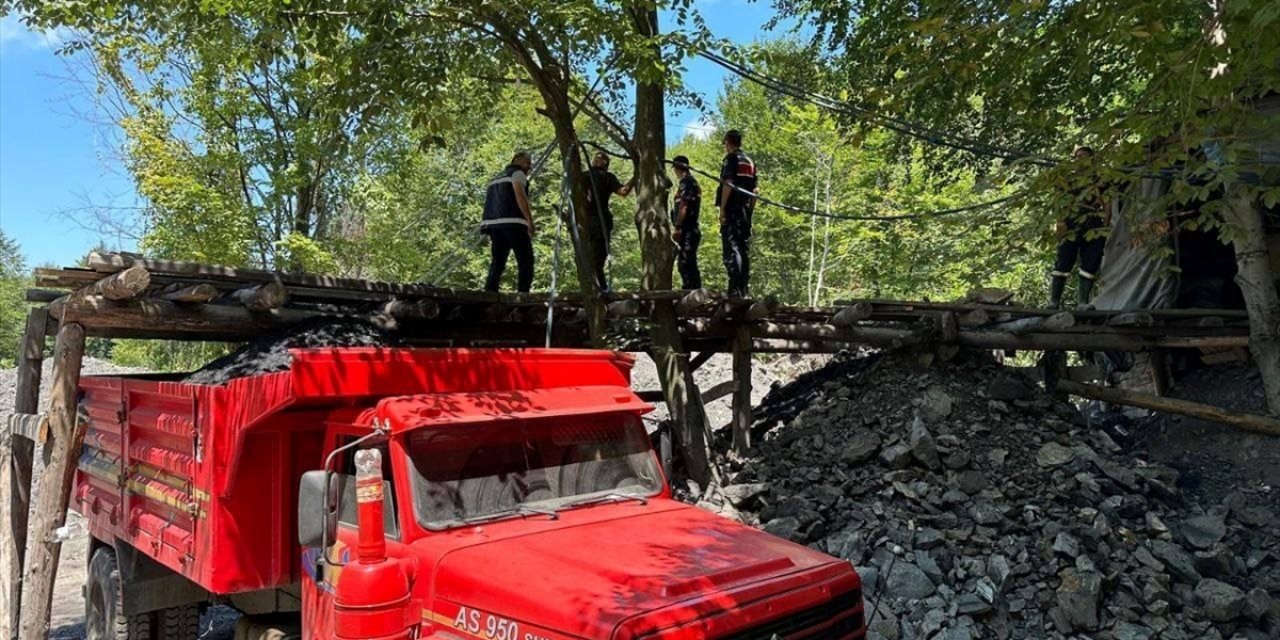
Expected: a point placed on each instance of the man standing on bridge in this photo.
(685, 229)
(509, 224)
(736, 201)
(603, 185)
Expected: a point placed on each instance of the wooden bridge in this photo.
(129, 296)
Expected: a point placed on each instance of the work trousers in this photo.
(735, 239)
(1088, 250)
(600, 240)
(687, 259)
(504, 240)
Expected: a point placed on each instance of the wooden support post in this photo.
(742, 389)
(66, 437)
(1246, 421)
(123, 285)
(17, 455)
(263, 297)
(193, 294)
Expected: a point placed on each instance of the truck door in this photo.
(319, 578)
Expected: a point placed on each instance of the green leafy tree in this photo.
(14, 281)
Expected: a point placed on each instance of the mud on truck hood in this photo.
(652, 567)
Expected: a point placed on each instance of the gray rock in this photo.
(930, 567)
(923, 448)
(998, 570)
(970, 604)
(986, 512)
(847, 545)
(1079, 597)
(1129, 631)
(896, 457)
(1067, 545)
(741, 494)
(861, 448)
(1009, 386)
(1178, 562)
(1052, 454)
(971, 481)
(935, 404)
(1257, 603)
(928, 538)
(1202, 532)
(787, 527)
(908, 582)
(1220, 601)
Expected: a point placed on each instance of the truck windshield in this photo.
(476, 472)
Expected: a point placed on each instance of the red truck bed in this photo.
(203, 478)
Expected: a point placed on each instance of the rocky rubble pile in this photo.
(976, 506)
(271, 352)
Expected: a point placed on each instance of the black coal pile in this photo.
(976, 506)
(271, 352)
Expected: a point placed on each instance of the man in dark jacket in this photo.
(1082, 236)
(736, 201)
(684, 230)
(603, 184)
(509, 223)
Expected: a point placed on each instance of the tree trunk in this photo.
(658, 255)
(1253, 274)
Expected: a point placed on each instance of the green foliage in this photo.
(14, 281)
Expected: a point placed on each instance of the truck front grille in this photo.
(812, 623)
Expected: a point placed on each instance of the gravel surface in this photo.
(976, 506)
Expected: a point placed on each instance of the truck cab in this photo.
(450, 494)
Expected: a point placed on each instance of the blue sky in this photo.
(55, 162)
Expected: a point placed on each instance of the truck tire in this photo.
(104, 604)
(179, 623)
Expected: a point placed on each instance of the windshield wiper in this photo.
(520, 509)
(609, 497)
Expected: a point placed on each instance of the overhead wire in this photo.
(835, 216)
(926, 134)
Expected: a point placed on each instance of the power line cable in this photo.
(931, 136)
(835, 216)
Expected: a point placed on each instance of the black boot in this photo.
(1083, 292)
(1056, 286)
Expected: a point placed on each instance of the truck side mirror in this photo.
(318, 508)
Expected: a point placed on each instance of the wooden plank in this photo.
(27, 425)
(742, 389)
(17, 456)
(66, 437)
(1246, 421)
(700, 359)
(719, 391)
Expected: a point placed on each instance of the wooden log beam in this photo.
(1089, 341)
(975, 318)
(416, 309)
(1055, 322)
(66, 437)
(262, 297)
(162, 319)
(720, 390)
(123, 285)
(1132, 319)
(761, 309)
(742, 389)
(852, 314)
(17, 457)
(700, 359)
(195, 293)
(693, 300)
(1246, 421)
(625, 308)
(876, 336)
(44, 295)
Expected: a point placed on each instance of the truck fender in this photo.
(150, 586)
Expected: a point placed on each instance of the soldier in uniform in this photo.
(736, 201)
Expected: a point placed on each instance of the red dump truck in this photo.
(421, 493)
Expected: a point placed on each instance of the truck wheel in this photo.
(104, 604)
(180, 623)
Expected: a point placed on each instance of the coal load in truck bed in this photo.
(271, 352)
(1010, 516)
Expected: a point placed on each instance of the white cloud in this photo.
(13, 33)
(698, 128)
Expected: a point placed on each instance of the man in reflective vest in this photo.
(509, 224)
(736, 201)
